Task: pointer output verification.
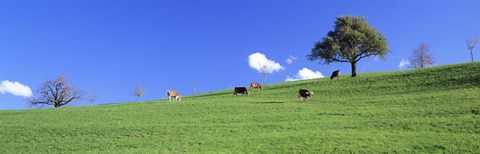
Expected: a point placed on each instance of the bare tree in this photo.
(262, 64)
(194, 88)
(265, 71)
(421, 57)
(56, 93)
(139, 91)
(471, 44)
(92, 98)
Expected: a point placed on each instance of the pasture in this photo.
(416, 111)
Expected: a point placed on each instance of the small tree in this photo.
(57, 93)
(351, 40)
(139, 91)
(194, 88)
(471, 44)
(92, 98)
(421, 57)
(265, 71)
(262, 64)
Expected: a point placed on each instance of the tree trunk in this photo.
(471, 54)
(57, 105)
(194, 88)
(265, 79)
(421, 61)
(354, 69)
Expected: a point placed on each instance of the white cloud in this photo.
(404, 64)
(305, 73)
(290, 59)
(15, 88)
(259, 62)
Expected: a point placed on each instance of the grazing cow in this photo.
(335, 74)
(303, 94)
(255, 85)
(173, 95)
(178, 98)
(241, 90)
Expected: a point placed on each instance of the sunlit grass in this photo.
(425, 110)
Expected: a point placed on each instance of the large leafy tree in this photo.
(352, 40)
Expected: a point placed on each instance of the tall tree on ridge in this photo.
(351, 40)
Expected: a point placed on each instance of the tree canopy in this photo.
(351, 40)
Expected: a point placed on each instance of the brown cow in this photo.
(255, 85)
(173, 95)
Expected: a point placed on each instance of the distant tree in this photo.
(139, 91)
(93, 98)
(262, 64)
(265, 71)
(194, 88)
(57, 93)
(421, 57)
(471, 44)
(351, 40)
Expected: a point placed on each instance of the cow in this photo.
(303, 94)
(173, 95)
(178, 98)
(335, 74)
(255, 85)
(242, 90)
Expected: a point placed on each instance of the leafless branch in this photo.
(56, 93)
(139, 91)
(421, 57)
(472, 42)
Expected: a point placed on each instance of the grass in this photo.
(433, 110)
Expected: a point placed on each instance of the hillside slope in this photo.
(426, 110)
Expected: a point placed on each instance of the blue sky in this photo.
(103, 47)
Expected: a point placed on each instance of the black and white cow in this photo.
(242, 90)
(335, 74)
(303, 94)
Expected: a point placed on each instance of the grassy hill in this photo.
(426, 110)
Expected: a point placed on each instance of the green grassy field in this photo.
(426, 110)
